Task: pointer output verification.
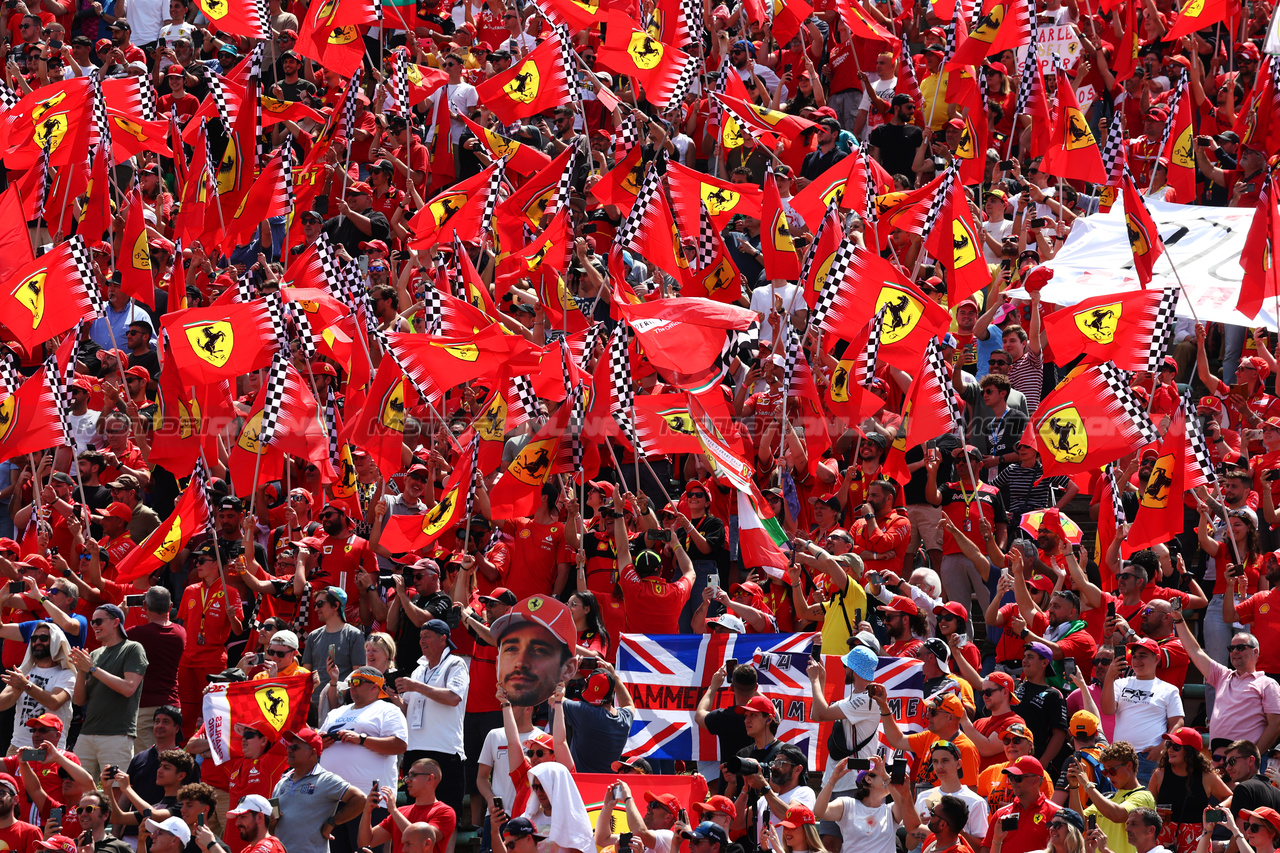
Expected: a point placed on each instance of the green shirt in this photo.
(106, 712)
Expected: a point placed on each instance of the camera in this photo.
(35, 755)
(1215, 815)
(859, 763)
(17, 588)
(658, 535)
(1005, 165)
(750, 767)
(135, 600)
(1010, 823)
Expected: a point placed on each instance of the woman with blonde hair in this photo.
(1066, 832)
(799, 833)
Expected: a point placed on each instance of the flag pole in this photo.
(35, 489)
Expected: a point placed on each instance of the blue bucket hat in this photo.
(862, 662)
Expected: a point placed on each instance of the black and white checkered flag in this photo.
(629, 230)
(350, 103)
(949, 43)
(1173, 114)
(1162, 331)
(57, 387)
(287, 165)
(577, 417)
(1113, 153)
(706, 251)
(940, 197)
(10, 379)
(589, 341)
(624, 395)
(8, 99)
(432, 310)
(307, 338)
(840, 262)
(684, 83)
(87, 270)
(44, 186)
(491, 201)
(1199, 449)
(564, 187)
(937, 362)
(791, 355)
(331, 425)
(524, 396)
(469, 502)
(1030, 79)
(398, 83)
(869, 214)
(279, 325)
(829, 220)
(245, 289)
(693, 21)
(101, 127)
(873, 348)
(273, 400)
(1117, 506)
(625, 137)
(147, 97)
(219, 95)
(1118, 381)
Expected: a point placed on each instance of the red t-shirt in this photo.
(186, 105)
(1261, 612)
(990, 725)
(1011, 645)
(437, 814)
(341, 558)
(46, 772)
(654, 604)
(205, 612)
(536, 549)
(270, 844)
(21, 837)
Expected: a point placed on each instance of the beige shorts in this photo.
(926, 524)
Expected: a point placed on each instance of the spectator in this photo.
(600, 722)
(1119, 765)
(42, 685)
(165, 642)
(108, 685)
(435, 700)
(311, 796)
(1146, 708)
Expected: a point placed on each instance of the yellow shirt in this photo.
(936, 115)
(1117, 837)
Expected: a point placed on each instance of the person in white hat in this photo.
(170, 835)
(251, 819)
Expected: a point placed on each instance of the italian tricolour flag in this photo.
(760, 536)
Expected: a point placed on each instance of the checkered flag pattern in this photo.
(432, 310)
(835, 277)
(521, 393)
(629, 230)
(398, 83)
(705, 250)
(1118, 381)
(147, 97)
(350, 103)
(377, 10)
(276, 311)
(589, 341)
(9, 377)
(577, 417)
(255, 55)
(693, 21)
(330, 267)
(306, 335)
(625, 137)
(1173, 113)
(1030, 66)
(870, 212)
(560, 201)
(1162, 331)
(949, 43)
(624, 396)
(469, 504)
(1113, 153)
(88, 273)
(1117, 508)
(245, 290)
(938, 364)
(288, 165)
(259, 138)
(569, 59)
(331, 425)
(491, 201)
(791, 355)
(873, 348)
(941, 196)
(219, 95)
(101, 128)
(1199, 450)
(828, 219)
(684, 83)
(273, 400)
(8, 99)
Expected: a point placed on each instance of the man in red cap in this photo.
(1033, 809)
(652, 602)
(901, 619)
(987, 733)
(309, 794)
(357, 221)
(540, 547)
(652, 828)
(993, 783)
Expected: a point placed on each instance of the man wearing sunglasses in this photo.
(93, 816)
(1119, 765)
(1249, 788)
(420, 783)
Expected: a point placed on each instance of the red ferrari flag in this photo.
(620, 185)
(1073, 151)
(760, 120)
(456, 210)
(1144, 239)
(221, 341)
(522, 159)
(1113, 327)
(519, 488)
(49, 295)
(1180, 150)
(1089, 420)
(15, 243)
(331, 33)
(930, 409)
(533, 86)
(284, 420)
(723, 199)
(685, 339)
(1258, 257)
(190, 516)
(1160, 509)
(272, 706)
(786, 17)
(404, 533)
(237, 17)
(533, 199)
(1004, 25)
(378, 427)
(780, 260)
(657, 67)
(438, 364)
(29, 419)
(958, 248)
(134, 262)
(664, 425)
(1201, 14)
(178, 425)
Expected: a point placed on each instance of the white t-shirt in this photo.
(662, 839)
(84, 429)
(792, 296)
(357, 764)
(863, 719)
(801, 795)
(462, 98)
(866, 830)
(978, 809)
(884, 90)
(494, 754)
(52, 679)
(435, 726)
(998, 229)
(145, 17)
(1143, 709)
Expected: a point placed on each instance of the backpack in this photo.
(1100, 779)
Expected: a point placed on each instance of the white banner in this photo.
(1204, 242)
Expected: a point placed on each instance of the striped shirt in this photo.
(1021, 494)
(1027, 375)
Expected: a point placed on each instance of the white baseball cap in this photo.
(175, 826)
(252, 803)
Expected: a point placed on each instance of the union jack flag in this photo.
(666, 675)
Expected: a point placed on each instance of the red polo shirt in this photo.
(1033, 826)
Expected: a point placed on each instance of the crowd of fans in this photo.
(1075, 702)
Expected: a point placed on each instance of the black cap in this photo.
(520, 827)
(384, 165)
(121, 24)
(311, 214)
(232, 503)
(900, 99)
(1226, 136)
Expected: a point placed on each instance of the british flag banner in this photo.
(667, 674)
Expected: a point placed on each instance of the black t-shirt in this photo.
(341, 230)
(728, 727)
(148, 360)
(712, 529)
(1043, 709)
(1253, 793)
(913, 491)
(896, 146)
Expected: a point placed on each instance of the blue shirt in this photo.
(117, 323)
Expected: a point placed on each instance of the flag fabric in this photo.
(518, 489)
(1002, 25)
(284, 419)
(657, 67)
(1258, 257)
(15, 243)
(664, 425)
(537, 84)
(378, 427)
(1180, 146)
(134, 262)
(1160, 507)
(29, 417)
(1144, 239)
(958, 248)
(1113, 327)
(777, 247)
(51, 294)
(271, 706)
(436, 364)
(221, 341)
(1073, 151)
(723, 199)
(1199, 15)
(458, 210)
(192, 515)
(404, 533)
(760, 120)
(1089, 420)
(761, 537)
(593, 787)
(332, 34)
(522, 159)
(686, 339)
(930, 408)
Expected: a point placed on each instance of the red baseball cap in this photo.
(759, 705)
(322, 366)
(1005, 680)
(305, 735)
(1027, 765)
(717, 803)
(375, 246)
(902, 604)
(1146, 643)
(119, 510)
(1267, 813)
(139, 372)
(48, 721)
(798, 816)
(1186, 736)
(58, 842)
(955, 608)
(1044, 583)
(670, 802)
(543, 610)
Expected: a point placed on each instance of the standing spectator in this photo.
(1040, 704)
(1246, 702)
(42, 684)
(652, 602)
(109, 686)
(166, 727)
(945, 758)
(600, 722)
(211, 613)
(164, 642)
(1146, 707)
(1119, 765)
(421, 783)
(728, 726)
(309, 795)
(335, 647)
(436, 700)
(1249, 788)
(15, 835)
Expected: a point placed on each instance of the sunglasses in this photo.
(1231, 762)
(97, 622)
(1175, 747)
(272, 653)
(991, 691)
(1239, 647)
(1111, 771)
(1057, 824)
(85, 809)
(1102, 662)
(997, 363)
(986, 391)
(250, 734)
(536, 753)
(1253, 827)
